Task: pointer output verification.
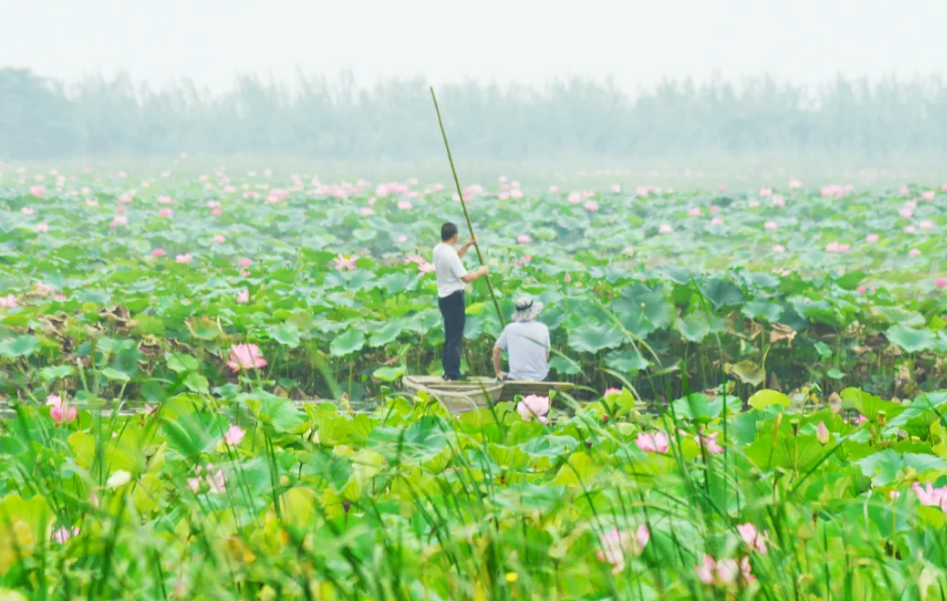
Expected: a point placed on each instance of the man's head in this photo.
(449, 233)
(527, 309)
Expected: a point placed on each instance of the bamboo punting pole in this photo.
(460, 194)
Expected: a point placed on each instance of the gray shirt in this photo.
(528, 344)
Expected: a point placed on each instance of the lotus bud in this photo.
(822, 433)
(795, 427)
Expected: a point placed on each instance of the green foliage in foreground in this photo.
(411, 503)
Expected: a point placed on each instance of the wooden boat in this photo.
(475, 392)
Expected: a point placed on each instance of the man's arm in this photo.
(496, 362)
(466, 246)
(476, 274)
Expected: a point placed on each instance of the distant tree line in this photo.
(327, 118)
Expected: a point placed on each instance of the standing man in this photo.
(527, 341)
(451, 278)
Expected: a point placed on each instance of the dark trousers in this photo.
(454, 311)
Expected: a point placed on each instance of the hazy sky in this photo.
(639, 42)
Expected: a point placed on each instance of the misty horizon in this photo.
(636, 44)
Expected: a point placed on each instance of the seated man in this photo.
(527, 341)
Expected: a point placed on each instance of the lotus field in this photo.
(200, 382)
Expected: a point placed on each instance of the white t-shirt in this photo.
(527, 343)
(449, 269)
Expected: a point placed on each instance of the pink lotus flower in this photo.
(524, 239)
(213, 204)
(425, 267)
(754, 539)
(871, 238)
(862, 289)
(165, 200)
(779, 201)
(610, 391)
(654, 442)
(219, 239)
(125, 198)
(405, 205)
(120, 208)
(244, 262)
(722, 187)
(591, 206)
(343, 264)
(118, 220)
(92, 202)
(158, 252)
(914, 253)
(943, 187)
(909, 229)
(929, 195)
(861, 419)
(716, 221)
(766, 192)
(27, 211)
(616, 543)
(516, 194)
(64, 534)
(44, 288)
(523, 262)
(503, 196)
(941, 282)
(714, 208)
(779, 248)
(245, 356)
(166, 212)
(42, 228)
(554, 189)
(216, 212)
(251, 195)
(628, 250)
(615, 188)
(906, 213)
(534, 406)
(216, 482)
(402, 239)
(929, 495)
(234, 435)
(794, 184)
(243, 297)
(184, 259)
(8, 302)
(37, 191)
(724, 572)
(771, 225)
(574, 198)
(710, 444)
(926, 225)
(643, 191)
(59, 410)
(694, 211)
(904, 191)
(753, 204)
(833, 190)
(664, 228)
